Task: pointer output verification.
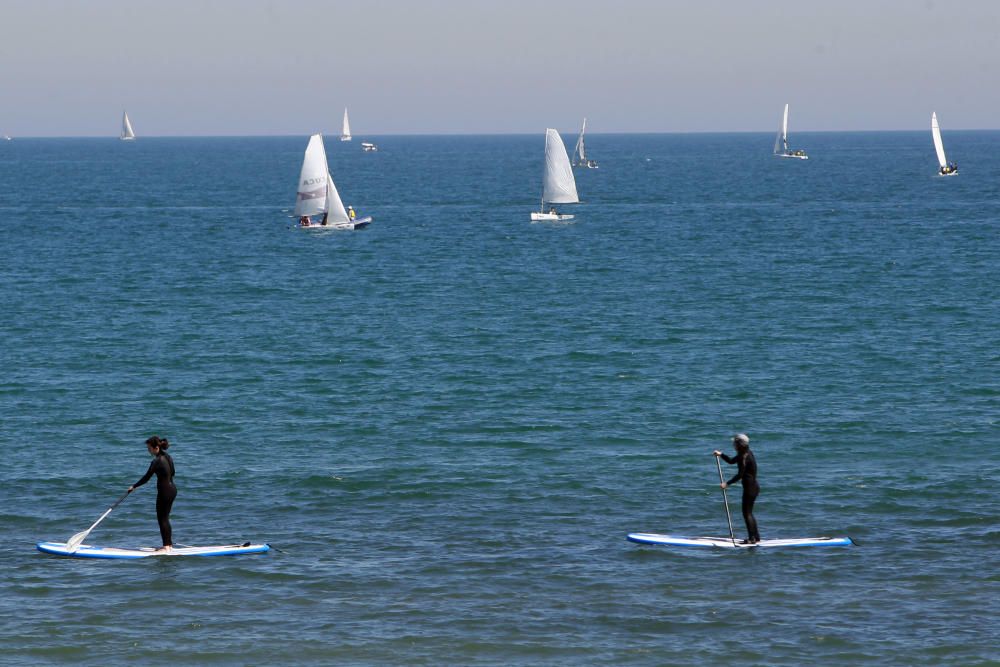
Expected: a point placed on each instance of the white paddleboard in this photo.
(87, 551)
(727, 543)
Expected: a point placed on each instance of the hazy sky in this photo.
(210, 67)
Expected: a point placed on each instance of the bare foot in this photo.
(166, 548)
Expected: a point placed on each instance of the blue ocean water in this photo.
(448, 422)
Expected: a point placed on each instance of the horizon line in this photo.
(475, 134)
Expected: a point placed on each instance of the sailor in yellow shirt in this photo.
(350, 213)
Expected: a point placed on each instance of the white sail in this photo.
(938, 144)
(784, 128)
(310, 198)
(781, 141)
(579, 153)
(336, 213)
(345, 134)
(127, 132)
(559, 184)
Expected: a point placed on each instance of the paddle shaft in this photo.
(78, 539)
(725, 499)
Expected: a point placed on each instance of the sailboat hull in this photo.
(360, 223)
(549, 217)
(796, 157)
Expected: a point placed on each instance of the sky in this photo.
(254, 67)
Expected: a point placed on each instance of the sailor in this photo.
(304, 221)
(350, 212)
(163, 467)
(747, 472)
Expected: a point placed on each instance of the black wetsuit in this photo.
(163, 467)
(747, 471)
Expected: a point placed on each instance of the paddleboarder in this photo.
(163, 467)
(746, 473)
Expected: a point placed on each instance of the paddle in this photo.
(725, 499)
(74, 542)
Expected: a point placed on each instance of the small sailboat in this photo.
(781, 141)
(7, 137)
(946, 168)
(317, 194)
(345, 134)
(558, 184)
(128, 134)
(579, 154)
(369, 147)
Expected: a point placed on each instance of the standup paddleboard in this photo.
(727, 543)
(87, 551)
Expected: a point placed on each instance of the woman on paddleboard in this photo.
(747, 472)
(163, 467)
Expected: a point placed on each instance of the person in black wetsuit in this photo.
(163, 467)
(747, 472)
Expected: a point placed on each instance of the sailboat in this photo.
(345, 134)
(579, 156)
(318, 195)
(558, 184)
(781, 141)
(7, 137)
(128, 134)
(946, 168)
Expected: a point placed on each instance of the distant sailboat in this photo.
(558, 184)
(7, 137)
(781, 141)
(579, 153)
(317, 193)
(369, 147)
(946, 168)
(345, 134)
(128, 134)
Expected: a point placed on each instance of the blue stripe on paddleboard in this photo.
(57, 549)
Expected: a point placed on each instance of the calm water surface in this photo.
(448, 422)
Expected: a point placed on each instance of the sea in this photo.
(447, 423)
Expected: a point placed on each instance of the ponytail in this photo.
(160, 443)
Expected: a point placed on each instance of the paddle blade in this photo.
(74, 542)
